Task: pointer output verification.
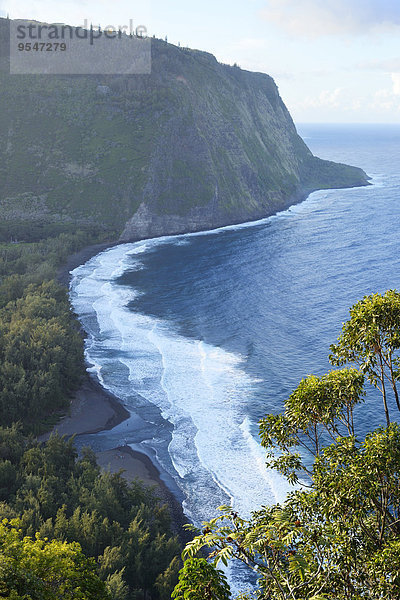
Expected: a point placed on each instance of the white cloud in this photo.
(387, 99)
(396, 83)
(326, 99)
(387, 65)
(327, 17)
(345, 101)
(356, 105)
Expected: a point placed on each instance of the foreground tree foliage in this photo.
(57, 496)
(338, 534)
(371, 340)
(198, 580)
(37, 569)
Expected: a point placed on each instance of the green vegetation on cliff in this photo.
(194, 145)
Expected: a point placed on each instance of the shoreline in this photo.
(94, 409)
(83, 255)
(79, 258)
(136, 465)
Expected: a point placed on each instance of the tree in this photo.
(198, 580)
(317, 412)
(167, 580)
(36, 569)
(371, 340)
(122, 526)
(337, 536)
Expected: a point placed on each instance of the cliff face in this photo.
(195, 145)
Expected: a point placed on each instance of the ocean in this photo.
(200, 335)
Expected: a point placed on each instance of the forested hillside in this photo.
(55, 495)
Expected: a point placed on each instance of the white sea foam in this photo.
(199, 388)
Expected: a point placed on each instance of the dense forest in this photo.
(41, 350)
(68, 529)
(47, 492)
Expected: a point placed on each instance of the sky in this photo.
(334, 61)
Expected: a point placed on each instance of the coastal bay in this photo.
(199, 360)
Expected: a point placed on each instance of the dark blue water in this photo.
(216, 330)
(278, 293)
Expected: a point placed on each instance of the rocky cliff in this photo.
(194, 145)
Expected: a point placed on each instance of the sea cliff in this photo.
(194, 145)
